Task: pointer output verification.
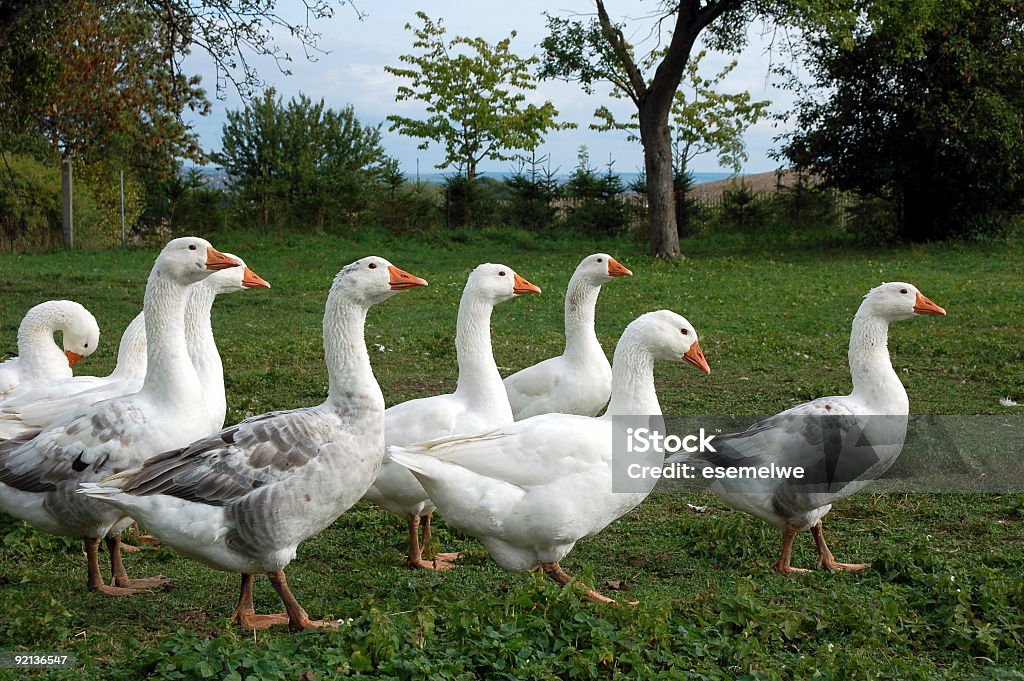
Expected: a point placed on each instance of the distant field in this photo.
(943, 599)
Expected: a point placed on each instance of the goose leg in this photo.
(555, 572)
(134, 536)
(121, 576)
(825, 557)
(96, 583)
(297, 617)
(782, 564)
(425, 521)
(415, 557)
(246, 615)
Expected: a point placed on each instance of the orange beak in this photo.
(252, 280)
(401, 280)
(522, 286)
(215, 260)
(617, 270)
(695, 356)
(924, 306)
(73, 357)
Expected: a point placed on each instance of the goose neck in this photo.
(202, 347)
(169, 370)
(36, 346)
(352, 387)
(874, 379)
(478, 373)
(131, 353)
(580, 305)
(633, 392)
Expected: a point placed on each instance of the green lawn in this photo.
(944, 597)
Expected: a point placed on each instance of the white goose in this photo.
(48, 404)
(39, 359)
(842, 443)
(477, 405)
(530, 490)
(242, 500)
(579, 381)
(40, 473)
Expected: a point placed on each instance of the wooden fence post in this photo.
(67, 209)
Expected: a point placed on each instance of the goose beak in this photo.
(695, 356)
(617, 270)
(73, 357)
(401, 280)
(521, 286)
(215, 260)
(924, 306)
(252, 280)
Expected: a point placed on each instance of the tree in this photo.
(92, 79)
(597, 50)
(304, 158)
(936, 129)
(702, 120)
(475, 96)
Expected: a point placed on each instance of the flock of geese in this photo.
(521, 464)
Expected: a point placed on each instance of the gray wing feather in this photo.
(228, 465)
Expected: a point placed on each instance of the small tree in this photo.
(702, 121)
(597, 207)
(475, 95)
(533, 188)
(304, 158)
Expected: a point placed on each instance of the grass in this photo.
(944, 597)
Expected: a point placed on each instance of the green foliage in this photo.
(533, 190)
(934, 127)
(702, 120)
(595, 205)
(475, 93)
(185, 202)
(30, 204)
(301, 164)
(103, 184)
(95, 83)
(30, 216)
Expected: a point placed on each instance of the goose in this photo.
(39, 359)
(579, 381)
(242, 499)
(40, 470)
(478, 404)
(841, 443)
(530, 490)
(44, 405)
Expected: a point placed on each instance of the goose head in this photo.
(599, 268)
(191, 259)
(497, 283)
(234, 278)
(668, 336)
(373, 279)
(897, 300)
(80, 335)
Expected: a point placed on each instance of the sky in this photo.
(357, 50)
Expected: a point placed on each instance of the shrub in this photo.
(595, 205)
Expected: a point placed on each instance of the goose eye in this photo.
(903, 290)
(600, 259)
(685, 332)
(373, 265)
(501, 273)
(86, 345)
(191, 247)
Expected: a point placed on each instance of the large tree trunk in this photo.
(661, 205)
